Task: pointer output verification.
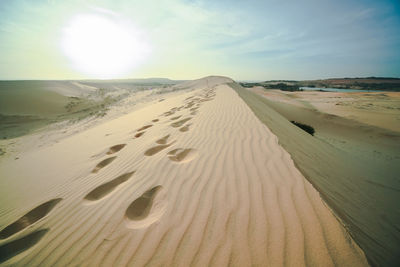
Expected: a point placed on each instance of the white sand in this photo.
(207, 184)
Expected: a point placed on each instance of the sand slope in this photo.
(363, 192)
(195, 180)
(354, 134)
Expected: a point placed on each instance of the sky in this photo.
(181, 39)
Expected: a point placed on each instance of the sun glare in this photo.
(101, 47)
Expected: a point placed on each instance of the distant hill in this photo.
(367, 83)
(144, 81)
(129, 84)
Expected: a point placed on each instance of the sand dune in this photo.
(30, 106)
(210, 188)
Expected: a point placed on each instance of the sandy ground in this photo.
(354, 165)
(381, 109)
(194, 180)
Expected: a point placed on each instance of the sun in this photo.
(102, 47)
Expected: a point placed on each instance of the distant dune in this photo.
(29, 105)
(193, 178)
(30, 98)
(50, 97)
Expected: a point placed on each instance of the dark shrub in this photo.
(304, 127)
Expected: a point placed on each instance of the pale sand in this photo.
(209, 188)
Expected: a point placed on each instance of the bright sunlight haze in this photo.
(100, 47)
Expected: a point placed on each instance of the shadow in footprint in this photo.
(168, 113)
(144, 128)
(103, 163)
(15, 247)
(139, 134)
(180, 123)
(155, 120)
(146, 209)
(154, 150)
(30, 218)
(189, 105)
(184, 128)
(175, 118)
(163, 141)
(106, 188)
(115, 149)
(140, 208)
(182, 155)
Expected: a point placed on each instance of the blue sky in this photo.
(245, 40)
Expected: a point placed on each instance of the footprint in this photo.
(154, 150)
(193, 111)
(175, 118)
(103, 163)
(163, 141)
(182, 155)
(180, 123)
(115, 149)
(139, 134)
(144, 128)
(15, 247)
(30, 218)
(184, 128)
(168, 113)
(105, 189)
(189, 105)
(146, 209)
(155, 120)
